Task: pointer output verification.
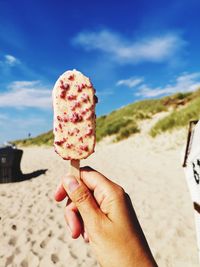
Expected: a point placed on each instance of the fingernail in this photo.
(71, 183)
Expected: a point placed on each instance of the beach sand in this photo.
(32, 227)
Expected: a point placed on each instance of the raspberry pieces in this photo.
(74, 120)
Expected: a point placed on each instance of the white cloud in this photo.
(11, 60)
(153, 49)
(23, 84)
(131, 82)
(184, 83)
(106, 92)
(22, 94)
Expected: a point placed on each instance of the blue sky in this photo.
(131, 50)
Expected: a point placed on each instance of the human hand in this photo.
(102, 212)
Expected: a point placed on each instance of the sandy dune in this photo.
(32, 228)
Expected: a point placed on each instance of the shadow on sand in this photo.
(31, 175)
(19, 176)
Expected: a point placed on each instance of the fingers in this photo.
(93, 179)
(82, 198)
(60, 193)
(73, 220)
(104, 190)
(87, 196)
(72, 216)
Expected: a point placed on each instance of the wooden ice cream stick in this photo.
(75, 168)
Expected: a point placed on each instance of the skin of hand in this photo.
(102, 212)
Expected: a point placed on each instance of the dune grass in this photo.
(123, 122)
(178, 118)
(42, 139)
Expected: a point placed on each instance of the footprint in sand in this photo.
(51, 218)
(62, 238)
(14, 227)
(24, 263)
(43, 244)
(33, 243)
(73, 255)
(30, 231)
(3, 194)
(28, 211)
(88, 254)
(17, 251)
(12, 241)
(50, 234)
(9, 260)
(59, 226)
(54, 258)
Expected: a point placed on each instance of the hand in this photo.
(102, 212)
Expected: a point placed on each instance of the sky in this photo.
(131, 50)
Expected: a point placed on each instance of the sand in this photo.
(32, 227)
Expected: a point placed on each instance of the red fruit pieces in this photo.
(67, 158)
(61, 142)
(79, 89)
(83, 86)
(64, 86)
(85, 98)
(71, 77)
(89, 132)
(80, 139)
(83, 147)
(75, 105)
(75, 117)
(71, 97)
(63, 94)
(69, 145)
(59, 118)
(70, 133)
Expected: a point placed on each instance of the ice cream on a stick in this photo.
(74, 117)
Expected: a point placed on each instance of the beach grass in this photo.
(178, 118)
(124, 122)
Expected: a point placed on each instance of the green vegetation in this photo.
(124, 122)
(126, 132)
(178, 118)
(42, 139)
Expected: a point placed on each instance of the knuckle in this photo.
(119, 191)
(82, 196)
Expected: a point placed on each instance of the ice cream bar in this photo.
(74, 116)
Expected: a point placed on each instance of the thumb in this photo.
(82, 198)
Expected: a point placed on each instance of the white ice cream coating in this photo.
(74, 116)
